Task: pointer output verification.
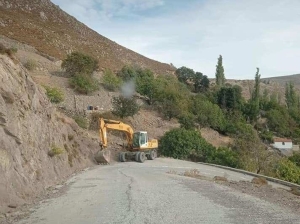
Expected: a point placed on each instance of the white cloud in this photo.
(248, 34)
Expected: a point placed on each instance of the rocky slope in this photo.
(51, 31)
(30, 128)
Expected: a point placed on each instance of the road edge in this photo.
(274, 180)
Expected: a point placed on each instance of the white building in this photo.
(284, 145)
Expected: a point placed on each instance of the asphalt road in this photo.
(147, 193)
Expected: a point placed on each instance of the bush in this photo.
(2, 49)
(111, 81)
(55, 151)
(79, 63)
(127, 73)
(146, 85)
(288, 171)
(124, 107)
(30, 65)
(9, 51)
(84, 84)
(224, 156)
(295, 158)
(14, 50)
(183, 144)
(55, 95)
(81, 121)
(187, 121)
(208, 114)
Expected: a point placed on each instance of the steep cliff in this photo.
(39, 146)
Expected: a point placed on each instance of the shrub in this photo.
(55, 151)
(224, 156)
(288, 171)
(124, 107)
(2, 49)
(84, 84)
(79, 63)
(111, 81)
(30, 65)
(55, 95)
(127, 73)
(183, 144)
(81, 121)
(208, 114)
(187, 121)
(295, 158)
(14, 50)
(9, 51)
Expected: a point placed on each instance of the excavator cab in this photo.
(140, 139)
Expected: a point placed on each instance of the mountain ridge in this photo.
(43, 25)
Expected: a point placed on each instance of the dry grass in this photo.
(70, 137)
(192, 173)
(295, 191)
(222, 179)
(260, 181)
(172, 172)
(55, 151)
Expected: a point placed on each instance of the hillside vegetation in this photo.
(196, 104)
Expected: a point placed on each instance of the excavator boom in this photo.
(105, 124)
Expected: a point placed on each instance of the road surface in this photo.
(136, 193)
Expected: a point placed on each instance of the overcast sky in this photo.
(193, 33)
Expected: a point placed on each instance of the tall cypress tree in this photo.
(220, 76)
(290, 96)
(254, 100)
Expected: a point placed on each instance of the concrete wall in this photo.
(283, 145)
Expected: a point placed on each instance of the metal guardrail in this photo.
(274, 180)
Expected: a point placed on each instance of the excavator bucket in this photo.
(103, 156)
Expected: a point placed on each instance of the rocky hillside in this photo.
(295, 79)
(39, 146)
(43, 25)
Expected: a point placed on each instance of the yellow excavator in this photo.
(139, 147)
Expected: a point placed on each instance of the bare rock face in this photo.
(31, 128)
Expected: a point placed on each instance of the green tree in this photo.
(289, 171)
(146, 85)
(220, 76)
(124, 107)
(295, 158)
(185, 75)
(111, 81)
(252, 108)
(224, 156)
(204, 83)
(84, 83)
(187, 121)
(207, 113)
(279, 121)
(291, 98)
(79, 63)
(183, 144)
(230, 98)
(127, 73)
(197, 81)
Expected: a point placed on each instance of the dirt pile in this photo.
(39, 147)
